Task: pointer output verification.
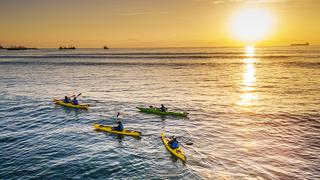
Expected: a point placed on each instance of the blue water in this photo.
(251, 115)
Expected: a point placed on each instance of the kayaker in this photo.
(75, 101)
(162, 108)
(66, 99)
(119, 127)
(173, 143)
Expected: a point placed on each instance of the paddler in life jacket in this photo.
(119, 127)
(75, 101)
(173, 143)
(66, 99)
(162, 108)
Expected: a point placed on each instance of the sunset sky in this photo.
(163, 23)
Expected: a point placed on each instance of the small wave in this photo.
(301, 64)
(146, 63)
(149, 54)
(7, 139)
(105, 63)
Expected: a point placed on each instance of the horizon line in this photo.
(164, 47)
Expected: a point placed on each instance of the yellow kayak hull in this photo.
(109, 129)
(176, 152)
(80, 106)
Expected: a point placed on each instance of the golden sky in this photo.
(155, 23)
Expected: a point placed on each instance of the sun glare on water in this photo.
(251, 25)
(250, 50)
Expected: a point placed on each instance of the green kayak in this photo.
(157, 111)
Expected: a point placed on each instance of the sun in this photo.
(251, 25)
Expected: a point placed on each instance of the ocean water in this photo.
(252, 115)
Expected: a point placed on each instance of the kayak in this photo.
(80, 106)
(109, 129)
(157, 111)
(176, 152)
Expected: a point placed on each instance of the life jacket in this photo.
(163, 109)
(174, 145)
(120, 127)
(66, 100)
(75, 102)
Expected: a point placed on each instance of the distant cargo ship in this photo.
(64, 47)
(305, 44)
(19, 48)
(105, 47)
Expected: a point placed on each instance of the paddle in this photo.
(187, 142)
(117, 116)
(116, 119)
(74, 96)
(77, 95)
(182, 142)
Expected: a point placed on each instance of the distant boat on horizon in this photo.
(105, 47)
(20, 48)
(305, 44)
(64, 47)
(1, 47)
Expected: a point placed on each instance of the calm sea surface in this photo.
(252, 116)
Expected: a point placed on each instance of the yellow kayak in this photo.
(80, 106)
(109, 129)
(176, 152)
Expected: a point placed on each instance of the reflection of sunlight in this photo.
(249, 78)
(246, 99)
(249, 60)
(248, 83)
(250, 51)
